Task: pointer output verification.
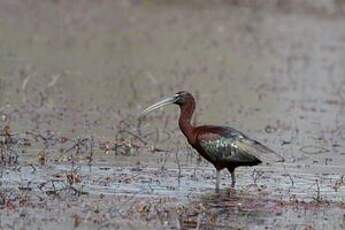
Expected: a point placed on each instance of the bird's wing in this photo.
(227, 144)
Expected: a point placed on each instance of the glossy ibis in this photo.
(224, 147)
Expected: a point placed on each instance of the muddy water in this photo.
(268, 197)
(274, 70)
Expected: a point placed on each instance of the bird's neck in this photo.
(186, 127)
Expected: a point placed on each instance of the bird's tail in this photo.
(260, 151)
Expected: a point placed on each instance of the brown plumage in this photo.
(224, 147)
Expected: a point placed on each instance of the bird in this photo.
(223, 146)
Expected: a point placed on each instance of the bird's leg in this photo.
(233, 179)
(217, 179)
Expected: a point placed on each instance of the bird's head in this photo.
(181, 98)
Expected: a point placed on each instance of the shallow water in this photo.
(278, 197)
(281, 183)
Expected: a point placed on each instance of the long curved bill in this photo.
(161, 103)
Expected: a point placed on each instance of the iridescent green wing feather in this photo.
(225, 149)
(231, 145)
